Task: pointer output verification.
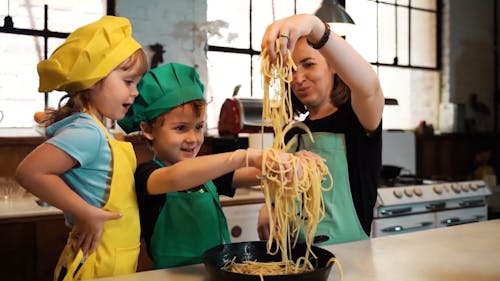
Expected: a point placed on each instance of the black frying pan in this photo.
(218, 256)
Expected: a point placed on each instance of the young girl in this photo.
(181, 216)
(81, 169)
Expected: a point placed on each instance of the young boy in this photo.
(181, 216)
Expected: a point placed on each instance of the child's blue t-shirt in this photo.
(81, 137)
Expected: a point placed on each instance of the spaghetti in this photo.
(292, 187)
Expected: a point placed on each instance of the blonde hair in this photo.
(79, 101)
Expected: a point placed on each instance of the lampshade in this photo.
(335, 15)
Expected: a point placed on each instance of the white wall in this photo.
(171, 23)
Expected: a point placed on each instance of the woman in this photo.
(341, 94)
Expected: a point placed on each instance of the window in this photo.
(237, 62)
(23, 45)
(398, 37)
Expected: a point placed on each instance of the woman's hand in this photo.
(287, 31)
(87, 230)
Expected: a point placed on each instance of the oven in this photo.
(409, 208)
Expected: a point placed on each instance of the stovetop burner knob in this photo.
(418, 191)
(464, 187)
(473, 186)
(408, 192)
(455, 188)
(397, 193)
(437, 189)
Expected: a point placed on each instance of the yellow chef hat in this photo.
(89, 54)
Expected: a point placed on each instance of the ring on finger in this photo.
(284, 36)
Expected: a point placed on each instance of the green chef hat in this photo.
(161, 89)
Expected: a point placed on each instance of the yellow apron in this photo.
(118, 249)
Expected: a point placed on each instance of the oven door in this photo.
(461, 216)
(402, 224)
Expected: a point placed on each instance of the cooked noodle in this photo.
(293, 202)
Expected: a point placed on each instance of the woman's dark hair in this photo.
(339, 95)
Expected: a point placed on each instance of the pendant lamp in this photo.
(335, 15)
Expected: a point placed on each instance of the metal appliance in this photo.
(409, 208)
(407, 203)
(240, 115)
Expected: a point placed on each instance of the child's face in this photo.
(112, 96)
(180, 136)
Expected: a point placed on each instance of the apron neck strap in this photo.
(105, 130)
(158, 161)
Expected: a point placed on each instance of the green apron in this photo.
(189, 224)
(341, 223)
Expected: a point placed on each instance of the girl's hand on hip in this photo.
(87, 231)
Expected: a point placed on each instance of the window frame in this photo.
(377, 64)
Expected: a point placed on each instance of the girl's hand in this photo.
(87, 230)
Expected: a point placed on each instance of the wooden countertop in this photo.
(458, 253)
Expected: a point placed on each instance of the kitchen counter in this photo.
(243, 196)
(459, 253)
(23, 207)
(26, 206)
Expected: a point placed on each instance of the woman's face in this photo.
(177, 135)
(313, 80)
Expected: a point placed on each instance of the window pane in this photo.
(225, 71)
(19, 97)
(423, 25)
(386, 33)
(54, 96)
(308, 7)
(23, 16)
(364, 37)
(257, 82)
(236, 35)
(424, 4)
(61, 13)
(417, 92)
(403, 56)
(262, 16)
(19, 54)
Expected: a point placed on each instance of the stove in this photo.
(428, 204)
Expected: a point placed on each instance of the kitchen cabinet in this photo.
(452, 156)
(14, 149)
(31, 247)
(242, 221)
